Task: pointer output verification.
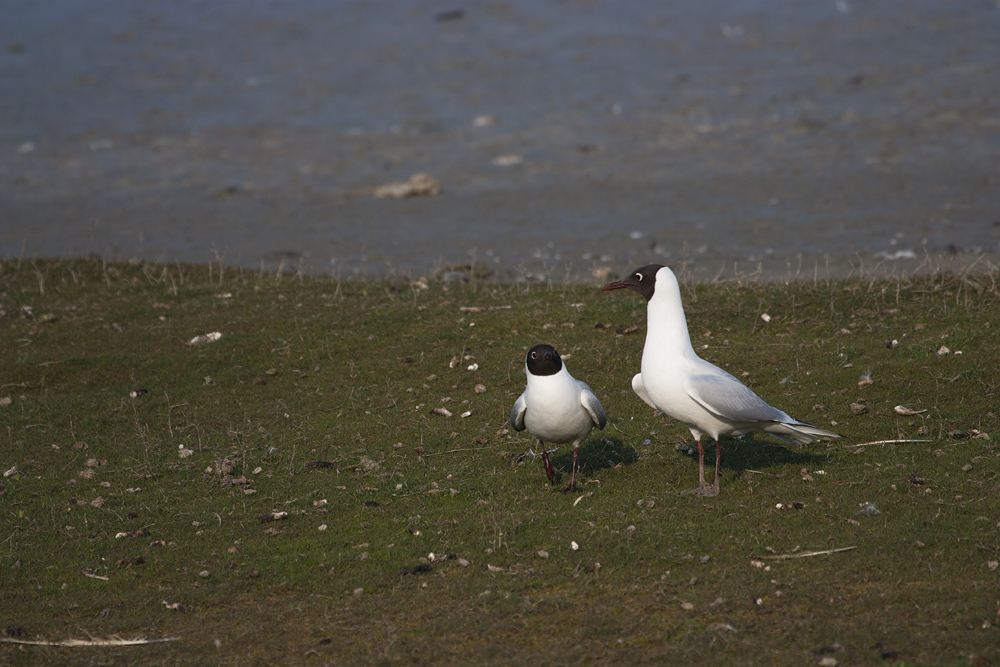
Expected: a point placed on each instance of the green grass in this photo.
(313, 369)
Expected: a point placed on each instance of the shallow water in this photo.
(806, 139)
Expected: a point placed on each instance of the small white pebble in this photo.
(322, 527)
(574, 546)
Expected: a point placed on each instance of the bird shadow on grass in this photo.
(595, 454)
(753, 452)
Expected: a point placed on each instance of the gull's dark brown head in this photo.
(642, 280)
(543, 360)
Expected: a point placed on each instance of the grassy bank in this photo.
(147, 469)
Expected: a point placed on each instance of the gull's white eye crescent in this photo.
(638, 277)
(534, 355)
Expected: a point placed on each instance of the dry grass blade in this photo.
(884, 442)
(808, 554)
(112, 641)
(463, 449)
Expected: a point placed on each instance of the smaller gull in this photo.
(555, 406)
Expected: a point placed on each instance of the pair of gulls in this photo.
(557, 408)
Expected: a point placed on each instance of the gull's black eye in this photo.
(534, 355)
(638, 277)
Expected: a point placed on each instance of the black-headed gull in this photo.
(699, 394)
(555, 406)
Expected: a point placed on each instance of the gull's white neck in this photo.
(666, 326)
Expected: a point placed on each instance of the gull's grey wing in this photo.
(730, 399)
(640, 391)
(517, 413)
(593, 406)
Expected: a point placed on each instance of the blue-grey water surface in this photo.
(803, 137)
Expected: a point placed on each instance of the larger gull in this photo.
(699, 394)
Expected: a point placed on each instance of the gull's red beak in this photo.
(619, 284)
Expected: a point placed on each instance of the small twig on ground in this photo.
(884, 442)
(482, 309)
(313, 492)
(807, 554)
